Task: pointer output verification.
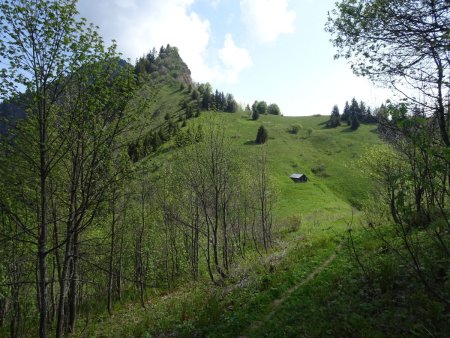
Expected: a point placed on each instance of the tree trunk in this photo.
(73, 286)
(111, 252)
(42, 254)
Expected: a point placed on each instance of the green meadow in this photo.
(309, 283)
(136, 202)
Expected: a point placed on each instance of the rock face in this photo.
(171, 62)
(165, 63)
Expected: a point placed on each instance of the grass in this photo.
(203, 310)
(339, 300)
(336, 189)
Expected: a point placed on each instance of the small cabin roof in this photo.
(296, 175)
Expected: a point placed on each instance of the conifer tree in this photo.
(346, 113)
(334, 120)
(262, 135)
(354, 121)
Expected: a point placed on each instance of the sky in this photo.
(271, 50)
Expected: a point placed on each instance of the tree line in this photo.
(81, 224)
(353, 115)
(405, 44)
(261, 108)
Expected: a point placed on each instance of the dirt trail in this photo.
(277, 302)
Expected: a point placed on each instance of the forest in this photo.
(137, 202)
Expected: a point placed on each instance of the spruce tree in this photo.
(346, 113)
(354, 121)
(355, 108)
(262, 135)
(334, 120)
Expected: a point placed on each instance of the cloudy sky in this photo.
(272, 50)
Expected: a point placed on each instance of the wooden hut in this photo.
(298, 178)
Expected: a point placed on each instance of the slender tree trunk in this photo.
(69, 250)
(43, 219)
(73, 286)
(120, 268)
(15, 324)
(111, 252)
(208, 249)
(63, 286)
(225, 253)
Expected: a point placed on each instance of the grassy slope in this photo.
(154, 100)
(333, 190)
(324, 204)
(262, 298)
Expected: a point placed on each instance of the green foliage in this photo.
(376, 37)
(294, 222)
(167, 64)
(257, 283)
(188, 136)
(77, 92)
(335, 118)
(255, 115)
(294, 129)
(354, 121)
(346, 113)
(273, 109)
(319, 170)
(261, 107)
(261, 135)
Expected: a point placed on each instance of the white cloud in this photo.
(139, 25)
(267, 19)
(125, 3)
(215, 3)
(234, 58)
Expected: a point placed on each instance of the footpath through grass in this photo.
(205, 310)
(296, 290)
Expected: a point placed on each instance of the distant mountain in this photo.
(10, 113)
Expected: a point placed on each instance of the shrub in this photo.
(294, 129)
(261, 136)
(319, 170)
(294, 222)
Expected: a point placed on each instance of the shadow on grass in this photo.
(347, 130)
(250, 143)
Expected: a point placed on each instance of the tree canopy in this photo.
(273, 109)
(400, 42)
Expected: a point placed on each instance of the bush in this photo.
(294, 222)
(261, 136)
(319, 170)
(294, 129)
(255, 115)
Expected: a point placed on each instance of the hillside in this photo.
(173, 221)
(310, 220)
(135, 202)
(314, 277)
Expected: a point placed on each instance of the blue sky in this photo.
(272, 50)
